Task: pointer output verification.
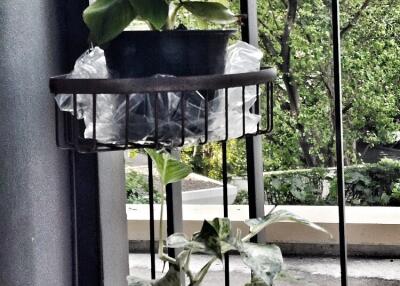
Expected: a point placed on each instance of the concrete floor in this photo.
(297, 271)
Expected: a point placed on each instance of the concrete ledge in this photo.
(370, 230)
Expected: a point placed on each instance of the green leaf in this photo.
(171, 278)
(169, 169)
(255, 281)
(210, 11)
(135, 281)
(258, 224)
(202, 273)
(106, 19)
(223, 227)
(265, 260)
(177, 240)
(153, 11)
(208, 235)
(215, 236)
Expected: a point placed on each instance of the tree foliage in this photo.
(296, 38)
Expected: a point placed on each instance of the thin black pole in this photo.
(225, 203)
(151, 206)
(339, 138)
(254, 154)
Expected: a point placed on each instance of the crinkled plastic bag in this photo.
(111, 109)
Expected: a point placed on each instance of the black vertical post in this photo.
(253, 144)
(339, 138)
(86, 240)
(225, 197)
(151, 209)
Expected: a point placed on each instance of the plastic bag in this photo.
(111, 109)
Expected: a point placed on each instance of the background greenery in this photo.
(295, 37)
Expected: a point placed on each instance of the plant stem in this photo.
(172, 17)
(161, 254)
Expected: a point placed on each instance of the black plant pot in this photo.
(175, 53)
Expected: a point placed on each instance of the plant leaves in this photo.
(177, 240)
(106, 19)
(135, 281)
(223, 227)
(258, 224)
(169, 169)
(255, 281)
(265, 260)
(153, 11)
(208, 235)
(171, 278)
(215, 236)
(202, 273)
(210, 11)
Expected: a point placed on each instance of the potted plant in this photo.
(215, 238)
(163, 49)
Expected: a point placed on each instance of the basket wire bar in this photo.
(94, 101)
(206, 99)
(127, 120)
(226, 115)
(244, 110)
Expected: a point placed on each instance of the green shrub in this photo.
(367, 185)
(137, 189)
(371, 184)
(296, 187)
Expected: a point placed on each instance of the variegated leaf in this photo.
(258, 224)
(265, 260)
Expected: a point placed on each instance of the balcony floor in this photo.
(298, 271)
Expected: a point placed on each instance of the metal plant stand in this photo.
(70, 136)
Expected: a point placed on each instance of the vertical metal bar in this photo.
(127, 120)
(94, 117)
(57, 124)
(75, 123)
(206, 99)
(226, 114)
(253, 143)
(244, 110)
(268, 91)
(151, 207)
(155, 95)
(339, 138)
(271, 105)
(225, 202)
(183, 111)
(256, 108)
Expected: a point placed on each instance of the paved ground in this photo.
(298, 271)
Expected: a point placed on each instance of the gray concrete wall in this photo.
(35, 246)
(113, 218)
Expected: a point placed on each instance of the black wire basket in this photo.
(70, 128)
